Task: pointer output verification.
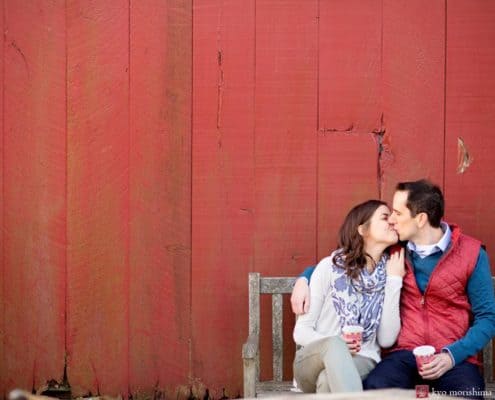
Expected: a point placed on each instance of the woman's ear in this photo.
(361, 230)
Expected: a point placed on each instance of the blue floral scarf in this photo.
(359, 301)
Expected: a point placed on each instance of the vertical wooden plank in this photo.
(2, 205)
(469, 185)
(160, 195)
(254, 314)
(349, 98)
(285, 148)
(34, 204)
(285, 145)
(488, 362)
(413, 92)
(98, 196)
(347, 175)
(277, 336)
(349, 66)
(223, 199)
(254, 303)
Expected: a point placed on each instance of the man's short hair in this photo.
(424, 196)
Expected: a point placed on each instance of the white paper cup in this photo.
(424, 355)
(353, 332)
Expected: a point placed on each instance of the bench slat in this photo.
(254, 303)
(270, 388)
(254, 315)
(277, 338)
(277, 285)
(488, 357)
(487, 365)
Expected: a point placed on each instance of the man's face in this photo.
(404, 224)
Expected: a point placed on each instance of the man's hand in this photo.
(395, 265)
(300, 297)
(437, 367)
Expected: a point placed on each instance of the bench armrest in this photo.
(251, 347)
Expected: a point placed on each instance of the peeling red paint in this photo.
(464, 159)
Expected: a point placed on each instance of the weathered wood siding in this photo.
(155, 152)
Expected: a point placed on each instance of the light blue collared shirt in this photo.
(424, 250)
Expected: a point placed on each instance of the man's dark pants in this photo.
(398, 369)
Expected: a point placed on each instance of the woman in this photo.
(358, 284)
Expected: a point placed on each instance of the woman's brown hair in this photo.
(352, 256)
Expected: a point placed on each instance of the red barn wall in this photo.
(153, 153)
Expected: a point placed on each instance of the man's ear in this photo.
(422, 219)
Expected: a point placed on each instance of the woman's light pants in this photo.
(327, 366)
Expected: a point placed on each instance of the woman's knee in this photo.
(334, 343)
(322, 346)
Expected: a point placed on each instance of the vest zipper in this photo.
(422, 302)
(423, 297)
(425, 320)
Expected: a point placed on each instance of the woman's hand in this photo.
(352, 344)
(395, 265)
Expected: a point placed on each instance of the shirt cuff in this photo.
(446, 350)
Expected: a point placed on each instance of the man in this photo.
(447, 298)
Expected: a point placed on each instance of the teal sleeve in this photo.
(481, 297)
(308, 272)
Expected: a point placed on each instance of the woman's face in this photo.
(379, 230)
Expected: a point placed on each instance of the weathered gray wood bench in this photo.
(277, 287)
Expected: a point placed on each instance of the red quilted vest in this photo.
(443, 314)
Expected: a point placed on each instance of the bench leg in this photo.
(249, 377)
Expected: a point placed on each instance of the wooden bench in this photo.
(277, 287)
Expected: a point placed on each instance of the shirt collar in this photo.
(428, 249)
